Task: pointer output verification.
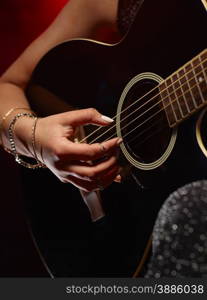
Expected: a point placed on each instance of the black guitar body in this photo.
(84, 73)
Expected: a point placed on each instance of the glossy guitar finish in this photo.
(84, 73)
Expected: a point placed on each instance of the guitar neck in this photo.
(185, 91)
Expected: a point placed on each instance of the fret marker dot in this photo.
(200, 79)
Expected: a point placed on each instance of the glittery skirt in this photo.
(180, 234)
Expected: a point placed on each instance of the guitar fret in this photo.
(180, 97)
(192, 102)
(203, 56)
(184, 88)
(173, 99)
(195, 63)
(203, 79)
(203, 59)
(171, 117)
(203, 63)
(185, 91)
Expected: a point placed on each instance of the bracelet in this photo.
(1, 125)
(13, 147)
(41, 165)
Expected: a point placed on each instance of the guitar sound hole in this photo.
(144, 124)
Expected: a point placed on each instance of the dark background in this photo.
(21, 21)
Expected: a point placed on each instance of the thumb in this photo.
(86, 116)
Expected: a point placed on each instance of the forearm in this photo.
(78, 19)
(12, 97)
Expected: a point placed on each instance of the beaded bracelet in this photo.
(41, 165)
(12, 143)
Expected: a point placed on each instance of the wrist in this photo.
(21, 142)
(23, 136)
(5, 123)
(24, 150)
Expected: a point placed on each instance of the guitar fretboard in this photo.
(185, 91)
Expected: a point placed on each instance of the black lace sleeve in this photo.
(127, 10)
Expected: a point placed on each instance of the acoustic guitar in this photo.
(154, 84)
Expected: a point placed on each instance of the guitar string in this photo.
(149, 117)
(147, 129)
(147, 137)
(150, 135)
(144, 113)
(171, 85)
(149, 108)
(108, 129)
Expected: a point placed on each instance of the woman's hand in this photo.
(69, 161)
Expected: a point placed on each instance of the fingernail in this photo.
(119, 141)
(118, 178)
(107, 119)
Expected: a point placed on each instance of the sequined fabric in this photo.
(180, 234)
(126, 13)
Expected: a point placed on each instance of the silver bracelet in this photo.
(12, 142)
(41, 165)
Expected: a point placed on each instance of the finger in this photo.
(118, 178)
(107, 178)
(89, 186)
(85, 116)
(91, 172)
(88, 152)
